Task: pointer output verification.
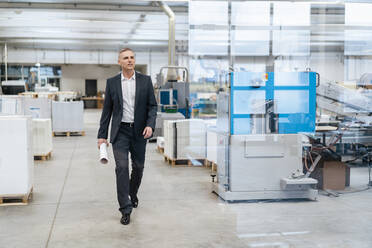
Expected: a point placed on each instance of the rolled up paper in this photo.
(103, 153)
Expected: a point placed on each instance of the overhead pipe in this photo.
(6, 61)
(172, 72)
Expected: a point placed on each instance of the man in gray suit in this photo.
(130, 100)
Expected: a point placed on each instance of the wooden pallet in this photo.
(43, 157)
(29, 94)
(211, 164)
(38, 95)
(185, 162)
(160, 149)
(68, 134)
(16, 200)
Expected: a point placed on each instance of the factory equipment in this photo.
(348, 126)
(13, 87)
(260, 145)
(173, 95)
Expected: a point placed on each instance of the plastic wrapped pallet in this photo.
(38, 107)
(16, 156)
(160, 117)
(212, 144)
(11, 105)
(191, 139)
(42, 136)
(65, 95)
(185, 139)
(68, 116)
(160, 142)
(169, 138)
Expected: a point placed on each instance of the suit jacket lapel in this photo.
(138, 88)
(119, 90)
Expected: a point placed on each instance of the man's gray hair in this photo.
(125, 49)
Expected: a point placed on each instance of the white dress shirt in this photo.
(128, 87)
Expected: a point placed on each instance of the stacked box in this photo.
(16, 156)
(42, 136)
(67, 116)
(160, 142)
(170, 138)
(161, 117)
(38, 107)
(11, 105)
(191, 139)
(212, 144)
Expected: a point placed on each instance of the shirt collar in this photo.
(132, 78)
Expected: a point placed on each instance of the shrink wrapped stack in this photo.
(38, 107)
(16, 156)
(161, 117)
(185, 139)
(160, 142)
(191, 139)
(42, 136)
(170, 138)
(67, 116)
(11, 105)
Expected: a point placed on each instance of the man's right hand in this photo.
(101, 141)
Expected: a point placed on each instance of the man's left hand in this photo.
(147, 132)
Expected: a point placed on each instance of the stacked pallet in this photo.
(185, 141)
(161, 117)
(16, 159)
(11, 105)
(48, 95)
(38, 107)
(42, 138)
(68, 118)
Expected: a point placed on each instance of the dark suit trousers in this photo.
(125, 142)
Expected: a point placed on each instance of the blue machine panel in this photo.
(286, 98)
(165, 97)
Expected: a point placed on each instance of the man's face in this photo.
(127, 60)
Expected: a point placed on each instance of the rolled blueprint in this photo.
(103, 153)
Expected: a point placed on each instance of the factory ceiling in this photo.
(112, 24)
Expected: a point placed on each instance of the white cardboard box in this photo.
(16, 156)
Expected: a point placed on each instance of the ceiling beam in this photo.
(90, 6)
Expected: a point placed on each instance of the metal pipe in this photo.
(172, 73)
(6, 62)
(172, 38)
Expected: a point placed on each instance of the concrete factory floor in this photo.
(74, 205)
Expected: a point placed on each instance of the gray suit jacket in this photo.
(145, 106)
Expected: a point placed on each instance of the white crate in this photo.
(16, 156)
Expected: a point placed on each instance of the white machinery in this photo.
(260, 148)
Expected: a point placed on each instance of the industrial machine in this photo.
(13, 87)
(348, 126)
(260, 140)
(173, 95)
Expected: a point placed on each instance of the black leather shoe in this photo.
(125, 219)
(135, 203)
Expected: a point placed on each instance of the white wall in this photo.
(73, 76)
(80, 65)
